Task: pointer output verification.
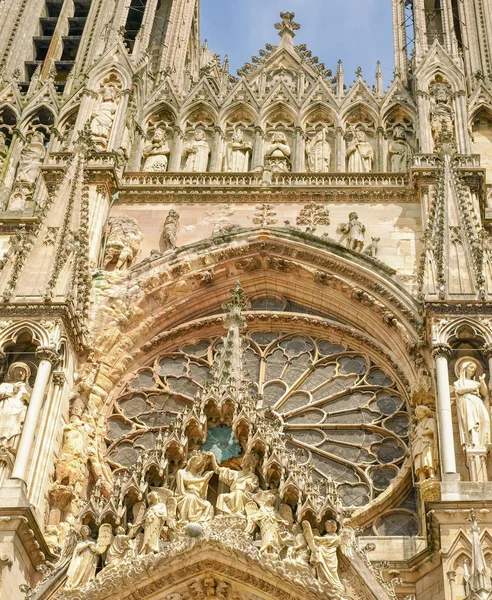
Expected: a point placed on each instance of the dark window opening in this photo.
(134, 21)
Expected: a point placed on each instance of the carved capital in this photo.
(441, 350)
(47, 353)
(59, 378)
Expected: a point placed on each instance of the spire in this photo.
(228, 367)
(379, 80)
(339, 80)
(477, 583)
(287, 28)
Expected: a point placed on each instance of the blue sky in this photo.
(357, 31)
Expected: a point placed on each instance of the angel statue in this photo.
(324, 551)
(268, 519)
(242, 485)
(120, 550)
(472, 400)
(159, 519)
(191, 489)
(85, 557)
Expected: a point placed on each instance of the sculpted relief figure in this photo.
(268, 519)
(170, 232)
(4, 149)
(441, 114)
(15, 394)
(277, 154)
(360, 154)
(324, 553)
(319, 153)
(191, 489)
(31, 159)
(473, 416)
(71, 466)
(354, 231)
(103, 116)
(424, 444)
(120, 550)
(84, 561)
(156, 152)
(156, 519)
(298, 553)
(242, 484)
(399, 151)
(196, 153)
(123, 242)
(238, 153)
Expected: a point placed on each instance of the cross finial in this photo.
(288, 27)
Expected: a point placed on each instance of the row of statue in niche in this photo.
(359, 155)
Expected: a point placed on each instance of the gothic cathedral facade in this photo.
(245, 320)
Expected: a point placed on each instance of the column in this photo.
(176, 152)
(47, 358)
(299, 154)
(217, 154)
(340, 163)
(258, 158)
(440, 354)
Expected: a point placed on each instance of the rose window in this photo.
(339, 408)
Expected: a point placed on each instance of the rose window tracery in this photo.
(338, 406)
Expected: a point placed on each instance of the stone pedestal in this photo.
(476, 461)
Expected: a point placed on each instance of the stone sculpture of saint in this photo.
(156, 152)
(103, 117)
(298, 553)
(269, 520)
(354, 231)
(324, 554)
(399, 151)
(239, 153)
(277, 153)
(15, 394)
(84, 561)
(196, 153)
(360, 154)
(4, 149)
(121, 548)
(442, 115)
(155, 521)
(169, 232)
(319, 153)
(191, 490)
(31, 159)
(242, 484)
(424, 444)
(473, 415)
(71, 466)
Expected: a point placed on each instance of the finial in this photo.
(287, 27)
(340, 66)
(359, 72)
(234, 308)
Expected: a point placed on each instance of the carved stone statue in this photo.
(372, 249)
(277, 154)
(298, 553)
(324, 553)
(442, 115)
(71, 466)
(360, 154)
(319, 153)
(191, 490)
(269, 520)
(15, 394)
(169, 232)
(103, 116)
(84, 561)
(31, 159)
(399, 151)
(4, 149)
(123, 242)
(156, 152)
(424, 444)
(158, 521)
(121, 549)
(196, 153)
(238, 153)
(242, 485)
(354, 231)
(473, 416)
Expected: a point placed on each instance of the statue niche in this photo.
(360, 154)
(31, 158)
(196, 153)
(319, 153)
(399, 151)
(104, 115)
(442, 117)
(156, 152)
(238, 153)
(277, 153)
(15, 395)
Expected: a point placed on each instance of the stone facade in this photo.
(245, 321)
